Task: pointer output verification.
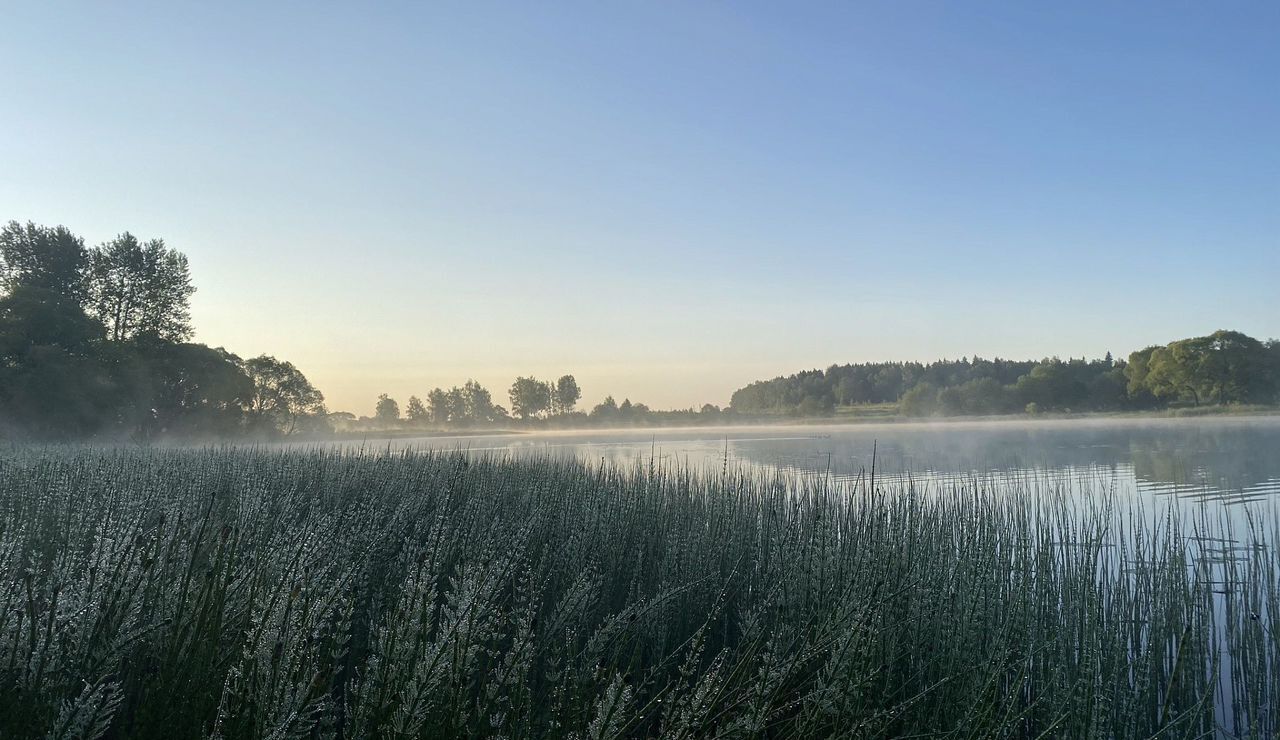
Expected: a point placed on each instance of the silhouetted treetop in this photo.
(140, 288)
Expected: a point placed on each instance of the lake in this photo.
(1229, 461)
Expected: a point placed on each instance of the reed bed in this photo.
(227, 593)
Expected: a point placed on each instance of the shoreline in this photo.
(1165, 415)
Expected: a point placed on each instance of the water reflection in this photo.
(1229, 461)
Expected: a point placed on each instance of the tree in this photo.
(456, 405)
(1223, 367)
(1273, 363)
(1137, 387)
(1236, 367)
(983, 396)
(529, 397)
(566, 394)
(282, 395)
(1106, 390)
(606, 410)
(187, 389)
(848, 391)
(921, 400)
(137, 289)
(1053, 384)
(415, 411)
(477, 403)
(387, 411)
(42, 257)
(438, 406)
(32, 316)
(53, 384)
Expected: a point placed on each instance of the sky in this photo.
(667, 200)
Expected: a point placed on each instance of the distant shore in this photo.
(838, 419)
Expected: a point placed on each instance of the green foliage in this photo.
(565, 395)
(608, 408)
(529, 397)
(921, 400)
(35, 317)
(283, 399)
(611, 413)
(124, 371)
(138, 289)
(252, 594)
(477, 403)
(386, 411)
(470, 404)
(1224, 368)
(415, 411)
(52, 384)
(186, 390)
(50, 258)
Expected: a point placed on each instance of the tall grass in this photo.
(257, 594)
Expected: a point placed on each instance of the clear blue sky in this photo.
(666, 199)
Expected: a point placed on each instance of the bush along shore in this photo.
(227, 593)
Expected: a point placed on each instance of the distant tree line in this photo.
(95, 343)
(1226, 367)
(534, 403)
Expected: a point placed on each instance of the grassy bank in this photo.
(243, 594)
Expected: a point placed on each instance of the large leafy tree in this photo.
(415, 411)
(139, 289)
(1223, 367)
(387, 410)
(53, 385)
(529, 397)
(566, 394)
(1171, 374)
(282, 396)
(45, 257)
(1237, 367)
(189, 389)
(438, 406)
(31, 316)
(478, 403)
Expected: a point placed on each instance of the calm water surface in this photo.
(1227, 461)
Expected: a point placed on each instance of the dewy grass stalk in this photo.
(255, 594)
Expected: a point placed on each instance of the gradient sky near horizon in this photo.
(667, 200)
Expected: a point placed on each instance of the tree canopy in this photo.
(93, 344)
(1223, 368)
(282, 395)
(529, 397)
(140, 288)
(565, 395)
(45, 257)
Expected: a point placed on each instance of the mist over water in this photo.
(1228, 461)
